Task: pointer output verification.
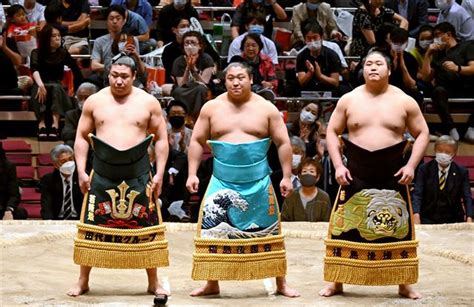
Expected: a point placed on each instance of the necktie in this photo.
(67, 200)
(442, 180)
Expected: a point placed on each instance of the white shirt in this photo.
(295, 181)
(73, 211)
(36, 14)
(269, 48)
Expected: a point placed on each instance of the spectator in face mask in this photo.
(255, 24)
(442, 193)
(315, 10)
(178, 134)
(68, 134)
(423, 40)
(462, 21)
(61, 197)
(192, 73)
(269, 8)
(307, 203)
(306, 127)
(175, 48)
(168, 16)
(318, 67)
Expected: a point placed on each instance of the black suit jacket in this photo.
(52, 195)
(417, 14)
(71, 120)
(426, 193)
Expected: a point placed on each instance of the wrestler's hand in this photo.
(286, 187)
(192, 184)
(343, 176)
(416, 218)
(84, 183)
(407, 173)
(156, 184)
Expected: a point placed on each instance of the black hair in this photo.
(176, 103)
(257, 15)
(383, 52)
(398, 35)
(44, 42)
(445, 27)
(123, 59)
(52, 13)
(15, 8)
(176, 21)
(115, 8)
(255, 37)
(312, 26)
(423, 28)
(242, 64)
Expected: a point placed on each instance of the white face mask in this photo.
(191, 50)
(307, 117)
(443, 159)
(179, 3)
(314, 45)
(68, 168)
(182, 31)
(425, 43)
(296, 161)
(399, 47)
(438, 41)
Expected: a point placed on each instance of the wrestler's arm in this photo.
(279, 135)
(201, 133)
(418, 128)
(336, 126)
(157, 126)
(81, 144)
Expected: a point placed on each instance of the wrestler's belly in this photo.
(375, 140)
(122, 138)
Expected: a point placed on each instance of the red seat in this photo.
(471, 174)
(44, 159)
(34, 210)
(44, 170)
(466, 161)
(30, 195)
(25, 172)
(16, 146)
(20, 159)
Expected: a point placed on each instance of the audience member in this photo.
(9, 190)
(264, 78)
(442, 193)
(307, 203)
(414, 11)
(254, 24)
(173, 50)
(102, 53)
(456, 15)
(141, 7)
(317, 66)
(368, 18)
(306, 127)
(49, 100)
(267, 7)
(137, 26)
(423, 40)
(451, 66)
(179, 135)
(468, 5)
(61, 197)
(20, 30)
(74, 11)
(9, 59)
(167, 18)
(34, 12)
(192, 73)
(68, 134)
(314, 10)
(298, 149)
(53, 15)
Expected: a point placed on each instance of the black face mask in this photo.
(176, 121)
(308, 180)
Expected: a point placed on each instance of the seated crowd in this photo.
(40, 37)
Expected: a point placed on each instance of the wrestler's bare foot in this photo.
(283, 289)
(211, 288)
(79, 288)
(331, 289)
(408, 292)
(157, 289)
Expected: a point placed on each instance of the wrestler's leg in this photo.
(283, 289)
(211, 288)
(82, 285)
(409, 292)
(154, 286)
(331, 289)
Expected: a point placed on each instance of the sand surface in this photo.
(37, 269)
